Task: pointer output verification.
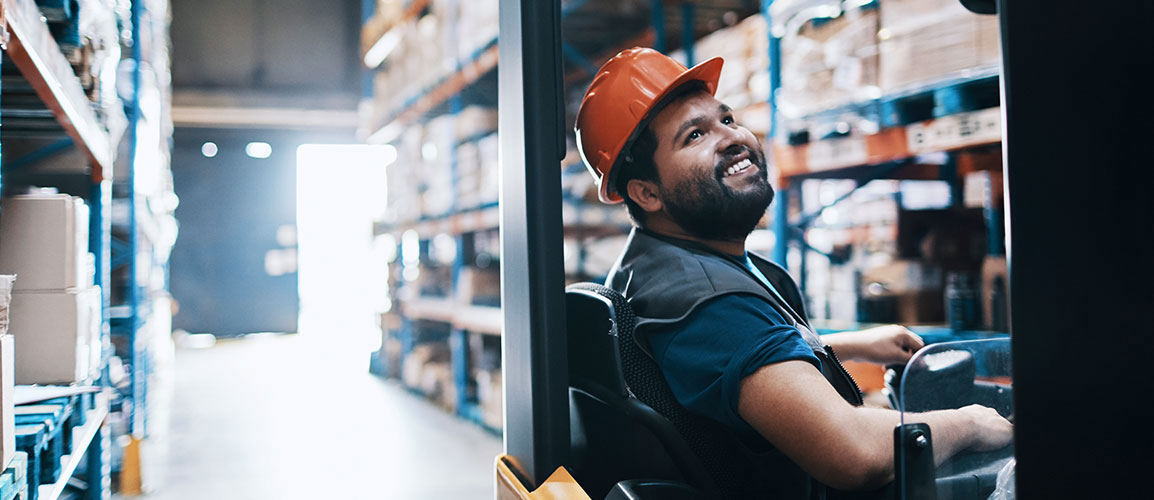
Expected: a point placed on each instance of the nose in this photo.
(731, 140)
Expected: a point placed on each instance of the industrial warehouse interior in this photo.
(575, 249)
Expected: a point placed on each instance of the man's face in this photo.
(712, 172)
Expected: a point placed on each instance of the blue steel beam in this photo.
(659, 25)
(41, 154)
(781, 208)
(687, 32)
(574, 55)
(572, 6)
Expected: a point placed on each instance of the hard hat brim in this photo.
(708, 72)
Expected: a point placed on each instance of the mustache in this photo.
(733, 152)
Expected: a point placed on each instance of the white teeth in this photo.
(737, 167)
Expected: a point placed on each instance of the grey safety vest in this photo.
(665, 279)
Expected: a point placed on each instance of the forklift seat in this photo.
(625, 423)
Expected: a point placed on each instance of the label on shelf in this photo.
(956, 131)
(836, 153)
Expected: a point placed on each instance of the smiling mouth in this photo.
(738, 167)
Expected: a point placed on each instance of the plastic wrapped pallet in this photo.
(923, 41)
(827, 63)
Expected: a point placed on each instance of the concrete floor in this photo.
(287, 417)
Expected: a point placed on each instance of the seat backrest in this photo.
(705, 453)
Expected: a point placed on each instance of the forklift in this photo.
(582, 422)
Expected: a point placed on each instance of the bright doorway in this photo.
(340, 192)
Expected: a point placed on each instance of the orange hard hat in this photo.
(620, 98)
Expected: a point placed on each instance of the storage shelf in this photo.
(380, 30)
(467, 73)
(81, 438)
(480, 319)
(948, 133)
(35, 53)
(598, 220)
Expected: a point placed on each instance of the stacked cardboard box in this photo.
(927, 40)
(490, 397)
(55, 307)
(436, 168)
(745, 48)
(430, 48)
(827, 63)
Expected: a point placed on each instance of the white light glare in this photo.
(209, 149)
(258, 149)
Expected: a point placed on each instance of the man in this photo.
(727, 328)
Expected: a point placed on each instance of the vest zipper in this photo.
(837, 362)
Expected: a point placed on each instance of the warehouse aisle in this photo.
(286, 417)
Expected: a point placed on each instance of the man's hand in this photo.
(884, 344)
(989, 430)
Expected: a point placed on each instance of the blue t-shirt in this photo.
(705, 356)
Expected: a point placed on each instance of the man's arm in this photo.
(848, 447)
(884, 344)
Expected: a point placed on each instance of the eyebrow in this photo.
(698, 121)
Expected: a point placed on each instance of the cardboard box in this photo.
(7, 416)
(44, 241)
(829, 63)
(928, 40)
(56, 333)
(490, 397)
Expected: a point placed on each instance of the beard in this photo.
(708, 209)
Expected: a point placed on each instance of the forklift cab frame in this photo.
(1071, 97)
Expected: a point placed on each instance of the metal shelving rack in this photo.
(899, 150)
(464, 320)
(584, 221)
(46, 101)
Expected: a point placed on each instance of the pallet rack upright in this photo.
(45, 105)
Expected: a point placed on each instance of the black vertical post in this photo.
(1080, 228)
(532, 271)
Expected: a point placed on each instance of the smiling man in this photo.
(728, 328)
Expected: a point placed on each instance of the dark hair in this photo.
(636, 159)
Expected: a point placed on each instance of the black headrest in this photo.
(592, 337)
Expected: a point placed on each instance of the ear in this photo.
(645, 194)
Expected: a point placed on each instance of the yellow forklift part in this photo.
(130, 478)
(559, 486)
